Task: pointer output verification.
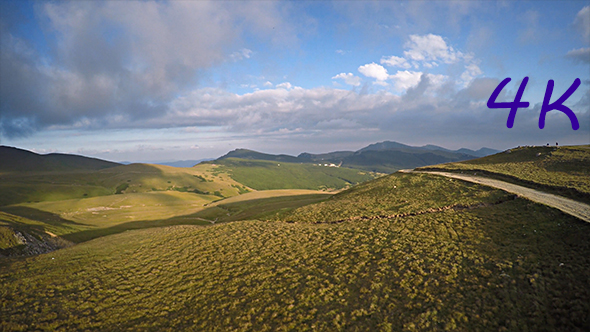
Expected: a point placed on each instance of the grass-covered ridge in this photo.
(396, 194)
(14, 160)
(564, 171)
(267, 175)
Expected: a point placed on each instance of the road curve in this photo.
(571, 207)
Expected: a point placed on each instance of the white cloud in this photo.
(430, 48)
(241, 54)
(480, 89)
(402, 80)
(266, 110)
(581, 55)
(395, 61)
(341, 52)
(334, 112)
(374, 70)
(252, 86)
(285, 85)
(582, 23)
(349, 79)
(437, 80)
(472, 70)
(268, 84)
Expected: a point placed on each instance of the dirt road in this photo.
(576, 209)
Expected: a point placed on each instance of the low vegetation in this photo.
(261, 208)
(398, 194)
(564, 171)
(512, 266)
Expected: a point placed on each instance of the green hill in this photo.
(59, 224)
(398, 194)
(249, 154)
(18, 160)
(265, 175)
(26, 177)
(564, 171)
(135, 178)
(437, 254)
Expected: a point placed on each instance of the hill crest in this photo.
(19, 160)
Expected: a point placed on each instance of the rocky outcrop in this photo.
(29, 244)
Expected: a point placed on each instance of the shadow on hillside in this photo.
(88, 235)
(38, 215)
(252, 209)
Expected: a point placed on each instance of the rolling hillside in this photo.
(415, 252)
(411, 252)
(26, 177)
(135, 178)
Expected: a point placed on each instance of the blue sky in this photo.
(154, 81)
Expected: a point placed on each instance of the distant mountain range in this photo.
(388, 145)
(383, 157)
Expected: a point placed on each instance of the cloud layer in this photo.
(120, 61)
(150, 65)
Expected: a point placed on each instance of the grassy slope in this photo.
(136, 178)
(259, 208)
(397, 193)
(265, 175)
(564, 170)
(85, 219)
(35, 231)
(513, 265)
(232, 178)
(71, 216)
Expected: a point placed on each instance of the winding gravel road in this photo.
(574, 208)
